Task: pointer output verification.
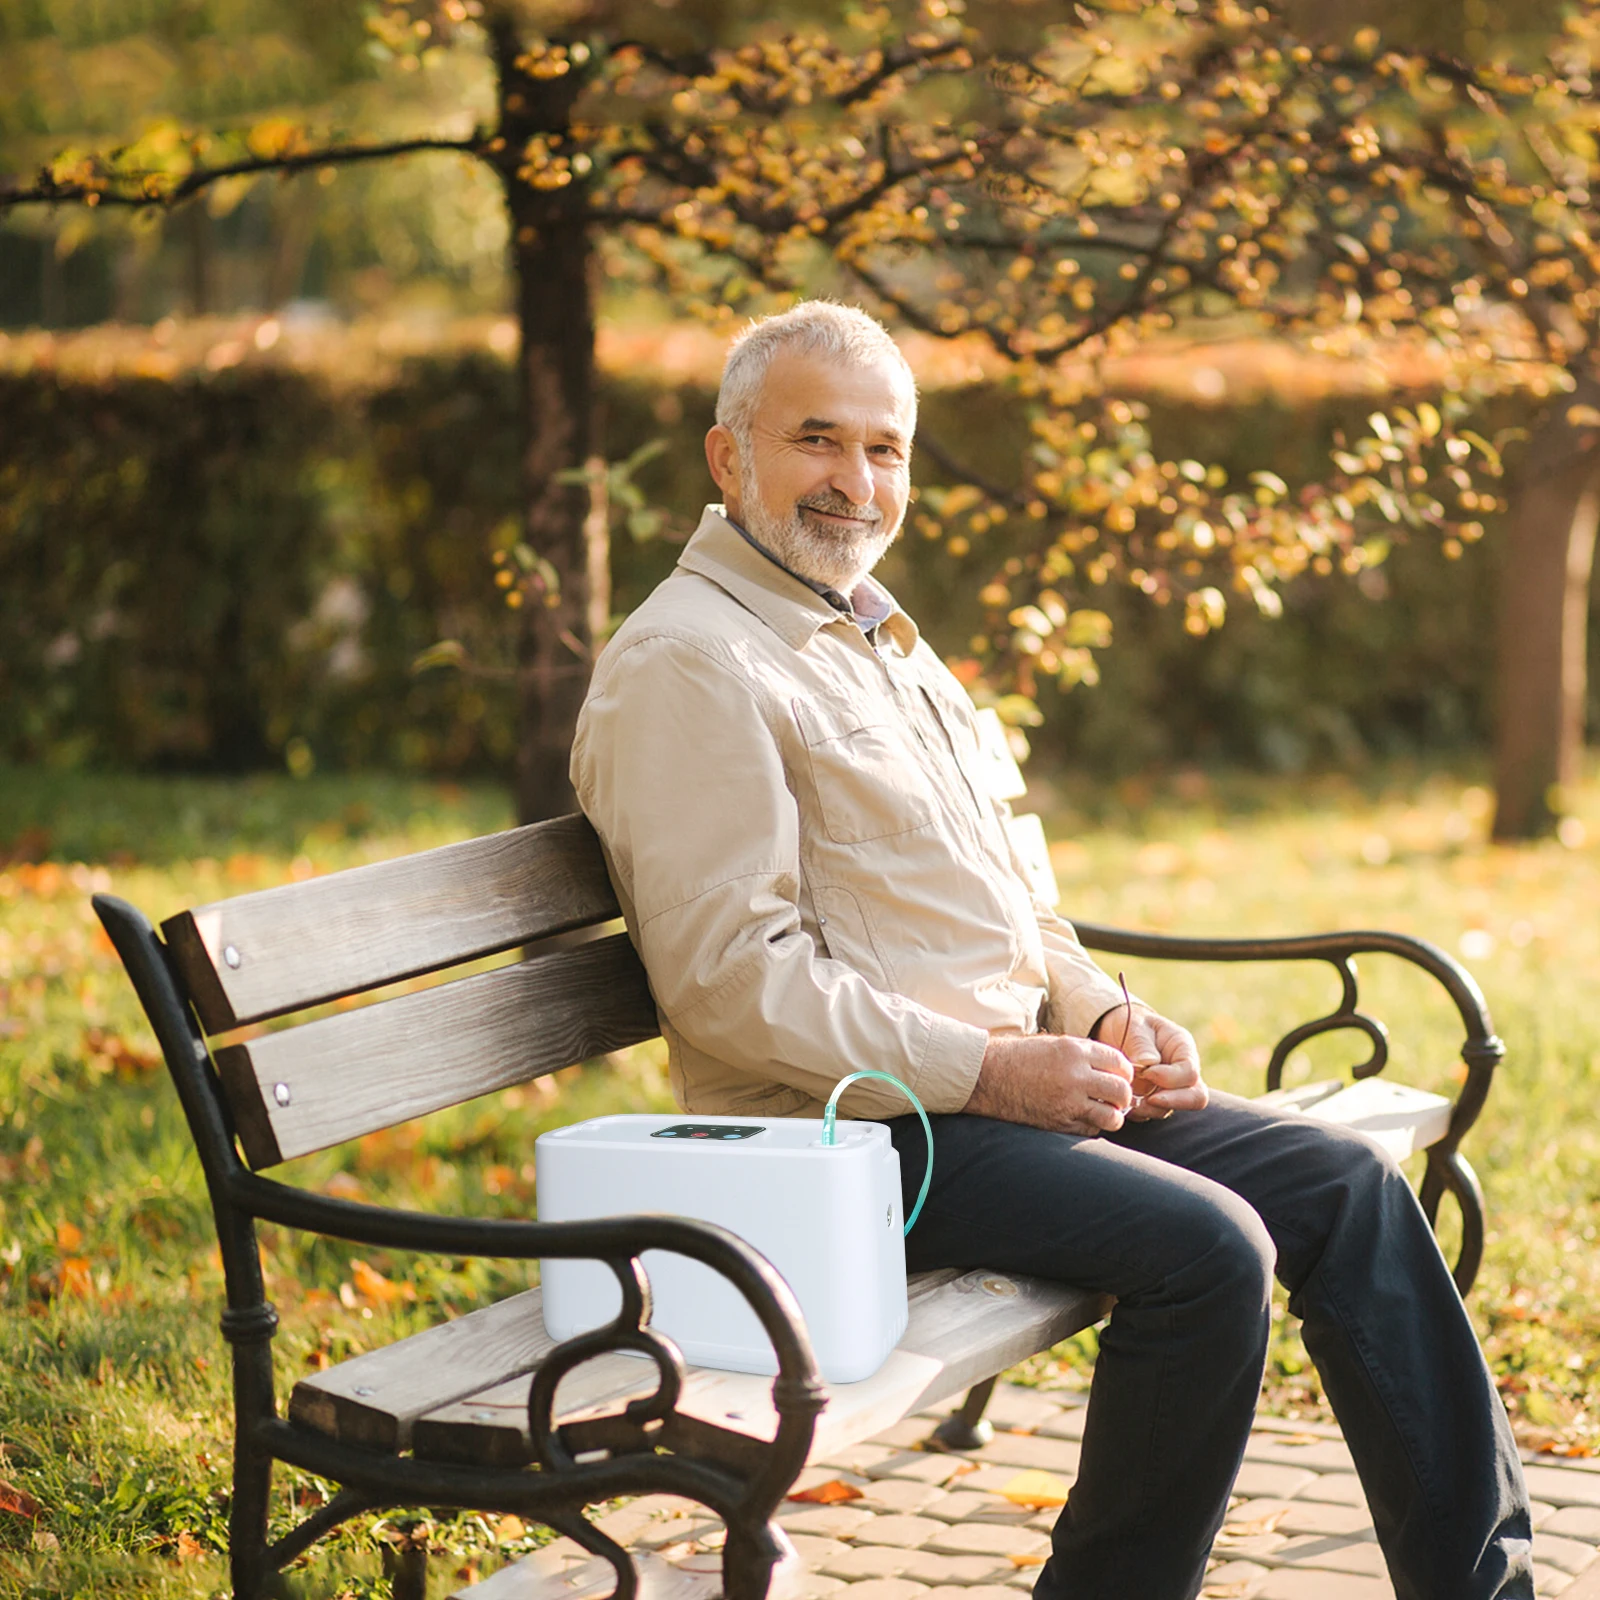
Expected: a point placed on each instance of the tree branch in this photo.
(48, 191)
(928, 446)
(893, 63)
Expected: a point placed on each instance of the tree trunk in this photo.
(551, 257)
(1543, 624)
(294, 219)
(197, 239)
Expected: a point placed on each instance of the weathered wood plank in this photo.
(345, 1075)
(1402, 1119)
(373, 1399)
(963, 1327)
(304, 943)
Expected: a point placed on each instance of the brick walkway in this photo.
(940, 1527)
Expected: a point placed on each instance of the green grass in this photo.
(114, 1408)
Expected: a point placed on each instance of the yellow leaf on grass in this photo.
(1036, 1490)
(69, 1238)
(510, 1527)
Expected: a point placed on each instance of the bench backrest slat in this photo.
(305, 1088)
(280, 950)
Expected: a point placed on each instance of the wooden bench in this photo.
(484, 1412)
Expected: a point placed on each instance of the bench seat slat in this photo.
(1402, 1119)
(963, 1328)
(372, 1399)
(305, 1088)
(301, 944)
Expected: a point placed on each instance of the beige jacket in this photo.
(807, 857)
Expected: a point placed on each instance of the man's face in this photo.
(824, 482)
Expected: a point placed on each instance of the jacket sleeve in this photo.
(1080, 990)
(684, 781)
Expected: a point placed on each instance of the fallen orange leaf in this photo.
(509, 1528)
(372, 1284)
(829, 1493)
(17, 1501)
(76, 1277)
(1037, 1490)
(69, 1238)
(109, 1051)
(188, 1546)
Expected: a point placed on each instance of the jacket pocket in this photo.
(848, 936)
(868, 784)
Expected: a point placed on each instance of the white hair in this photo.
(812, 328)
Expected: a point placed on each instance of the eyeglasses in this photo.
(1127, 1023)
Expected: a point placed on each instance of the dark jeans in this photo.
(1185, 1221)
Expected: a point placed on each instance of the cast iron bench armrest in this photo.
(1481, 1051)
(797, 1391)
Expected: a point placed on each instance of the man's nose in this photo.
(852, 476)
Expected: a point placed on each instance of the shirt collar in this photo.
(792, 606)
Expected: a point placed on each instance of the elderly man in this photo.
(787, 783)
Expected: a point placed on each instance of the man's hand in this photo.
(1051, 1080)
(1165, 1059)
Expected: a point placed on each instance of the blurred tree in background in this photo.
(79, 78)
(1057, 184)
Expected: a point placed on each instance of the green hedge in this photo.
(222, 571)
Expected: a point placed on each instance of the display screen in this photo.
(709, 1130)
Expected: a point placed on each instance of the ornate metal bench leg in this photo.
(1454, 1172)
(968, 1428)
(407, 1568)
(247, 1522)
(250, 1331)
(748, 1563)
(581, 1530)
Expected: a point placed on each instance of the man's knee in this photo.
(1246, 1251)
(1236, 1260)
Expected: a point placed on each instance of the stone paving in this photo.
(941, 1527)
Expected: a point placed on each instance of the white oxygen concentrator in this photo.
(827, 1216)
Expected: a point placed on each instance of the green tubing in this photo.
(830, 1115)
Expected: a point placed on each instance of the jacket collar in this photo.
(790, 607)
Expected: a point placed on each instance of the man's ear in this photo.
(722, 457)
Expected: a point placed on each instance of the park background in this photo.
(261, 525)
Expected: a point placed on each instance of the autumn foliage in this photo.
(1064, 183)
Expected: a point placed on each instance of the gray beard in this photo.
(829, 556)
